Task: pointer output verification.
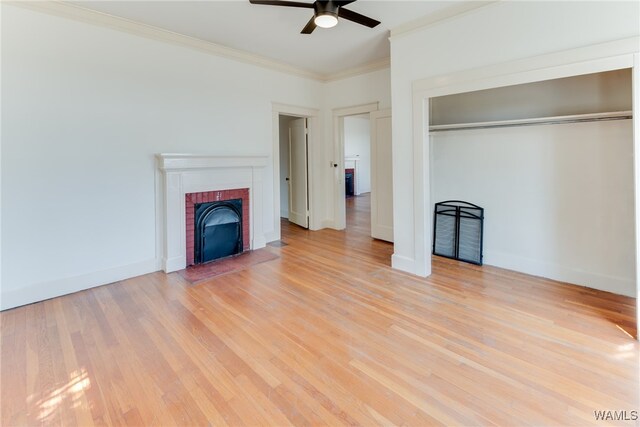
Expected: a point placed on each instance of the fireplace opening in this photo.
(218, 230)
(349, 182)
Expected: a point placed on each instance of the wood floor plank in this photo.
(326, 334)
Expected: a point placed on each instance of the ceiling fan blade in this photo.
(282, 3)
(344, 3)
(311, 25)
(356, 17)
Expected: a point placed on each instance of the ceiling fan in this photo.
(325, 13)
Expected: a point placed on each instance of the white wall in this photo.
(558, 199)
(84, 110)
(494, 34)
(357, 143)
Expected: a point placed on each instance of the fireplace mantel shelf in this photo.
(169, 161)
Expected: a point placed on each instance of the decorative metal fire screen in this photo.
(218, 230)
(458, 230)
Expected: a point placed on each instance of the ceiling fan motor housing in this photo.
(326, 8)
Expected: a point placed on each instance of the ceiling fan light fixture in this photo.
(326, 20)
(325, 13)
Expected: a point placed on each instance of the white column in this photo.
(175, 240)
(255, 201)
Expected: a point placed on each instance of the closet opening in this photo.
(551, 162)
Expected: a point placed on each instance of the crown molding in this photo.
(378, 64)
(78, 13)
(438, 17)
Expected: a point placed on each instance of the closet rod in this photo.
(578, 118)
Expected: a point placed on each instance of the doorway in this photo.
(280, 185)
(381, 200)
(294, 169)
(357, 172)
(381, 189)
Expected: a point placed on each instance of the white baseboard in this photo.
(403, 263)
(327, 223)
(258, 242)
(170, 265)
(614, 284)
(55, 288)
(320, 224)
(271, 236)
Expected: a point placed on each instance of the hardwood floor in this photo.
(327, 334)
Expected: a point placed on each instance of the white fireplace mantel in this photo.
(203, 161)
(193, 173)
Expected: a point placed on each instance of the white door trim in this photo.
(635, 105)
(339, 211)
(313, 126)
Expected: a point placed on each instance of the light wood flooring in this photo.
(327, 334)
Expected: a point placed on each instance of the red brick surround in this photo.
(215, 196)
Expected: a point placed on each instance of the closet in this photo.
(552, 164)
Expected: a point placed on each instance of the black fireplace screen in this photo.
(457, 231)
(218, 230)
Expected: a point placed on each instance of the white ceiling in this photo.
(274, 32)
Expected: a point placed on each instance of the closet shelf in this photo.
(577, 118)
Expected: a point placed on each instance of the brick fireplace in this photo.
(186, 179)
(214, 196)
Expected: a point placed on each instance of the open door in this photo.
(381, 176)
(298, 187)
